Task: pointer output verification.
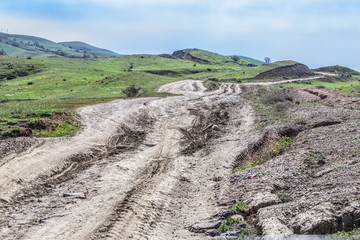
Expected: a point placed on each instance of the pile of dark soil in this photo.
(296, 70)
(337, 69)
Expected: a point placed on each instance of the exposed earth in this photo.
(163, 168)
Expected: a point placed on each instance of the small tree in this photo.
(2, 52)
(235, 58)
(267, 60)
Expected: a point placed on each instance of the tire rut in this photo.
(143, 208)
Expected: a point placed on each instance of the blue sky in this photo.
(316, 32)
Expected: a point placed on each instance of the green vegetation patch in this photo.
(339, 84)
(270, 103)
(275, 149)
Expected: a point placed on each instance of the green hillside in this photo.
(81, 46)
(25, 46)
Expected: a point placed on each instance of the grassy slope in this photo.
(14, 51)
(87, 47)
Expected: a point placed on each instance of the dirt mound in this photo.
(296, 70)
(188, 56)
(337, 69)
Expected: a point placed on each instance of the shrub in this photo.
(2, 52)
(224, 227)
(214, 79)
(235, 58)
(131, 91)
(20, 72)
(10, 76)
(281, 106)
(239, 207)
(211, 86)
(280, 145)
(238, 79)
(276, 97)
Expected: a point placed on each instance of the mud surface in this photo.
(154, 168)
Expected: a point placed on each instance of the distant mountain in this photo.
(22, 45)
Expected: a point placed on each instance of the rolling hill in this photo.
(29, 46)
(81, 46)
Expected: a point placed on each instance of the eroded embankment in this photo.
(311, 186)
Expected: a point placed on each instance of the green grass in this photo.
(349, 86)
(65, 129)
(353, 234)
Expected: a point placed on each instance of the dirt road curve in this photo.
(320, 75)
(140, 169)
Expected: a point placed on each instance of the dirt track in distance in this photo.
(140, 169)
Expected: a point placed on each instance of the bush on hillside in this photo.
(131, 91)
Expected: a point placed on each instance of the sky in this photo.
(314, 32)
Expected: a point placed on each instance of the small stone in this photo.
(213, 233)
(227, 213)
(74, 195)
(238, 227)
(237, 217)
(203, 227)
(232, 233)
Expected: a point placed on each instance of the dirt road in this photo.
(140, 169)
(320, 75)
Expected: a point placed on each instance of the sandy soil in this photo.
(136, 171)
